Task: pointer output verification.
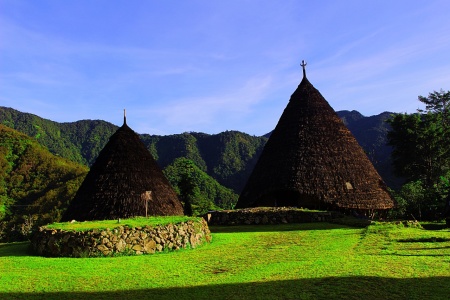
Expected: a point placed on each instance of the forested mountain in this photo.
(35, 185)
(228, 157)
(79, 141)
(206, 193)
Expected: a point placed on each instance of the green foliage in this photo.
(421, 146)
(230, 156)
(167, 148)
(35, 186)
(198, 188)
(439, 103)
(418, 201)
(422, 155)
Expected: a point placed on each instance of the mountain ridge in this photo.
(228, 157)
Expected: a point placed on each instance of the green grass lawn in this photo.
(290, 261)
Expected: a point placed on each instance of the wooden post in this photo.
(146, 196)
(146, 208)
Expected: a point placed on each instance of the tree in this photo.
(194, 202)
(421, 153)
(421, 147)
(438, 102)
(205, 192)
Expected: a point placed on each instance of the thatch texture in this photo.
(312, 160)
(125, 181)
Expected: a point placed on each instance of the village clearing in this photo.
(289, 261)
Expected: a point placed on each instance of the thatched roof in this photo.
(312, 160)
(124, 178)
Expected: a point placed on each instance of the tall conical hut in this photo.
(125, 181)
(312, 160)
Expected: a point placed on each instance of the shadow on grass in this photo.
(434, 226)
(15, 249)
(351, 287)
(425, 240)
(277, 227)
(422, 255)
(432, 248)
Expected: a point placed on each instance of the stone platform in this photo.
(121, 240)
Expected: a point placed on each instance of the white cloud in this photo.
(194, 112)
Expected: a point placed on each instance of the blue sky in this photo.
(216, 65)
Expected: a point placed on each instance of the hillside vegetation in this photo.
(228, 157)
(205, 192)
(35, 185)
(79, 141)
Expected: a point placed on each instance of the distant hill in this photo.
(79, 141)
(229, 157)
(210, 193)
(35, 185)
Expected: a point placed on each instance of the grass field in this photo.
(291, 261)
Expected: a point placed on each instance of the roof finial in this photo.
(124, 117)
(303, 64)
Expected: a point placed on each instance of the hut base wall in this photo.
(269, 215)
(119, 241)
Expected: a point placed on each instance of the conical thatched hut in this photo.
(312, 160)
(125, 181)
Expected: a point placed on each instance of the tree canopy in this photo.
(421, 153)
(197, 188)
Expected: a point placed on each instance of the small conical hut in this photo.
(312, 160)
(125, 181)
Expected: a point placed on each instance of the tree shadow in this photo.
(15, 249)
(351, 287)
(435, 226)
(425, 240)
(420, 255)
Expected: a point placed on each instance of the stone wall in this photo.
(268, 215)
(122, 240)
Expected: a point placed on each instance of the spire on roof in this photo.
(124, 117)
(303, 64)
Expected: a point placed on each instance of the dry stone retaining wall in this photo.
(122, 240)
(268, 215)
